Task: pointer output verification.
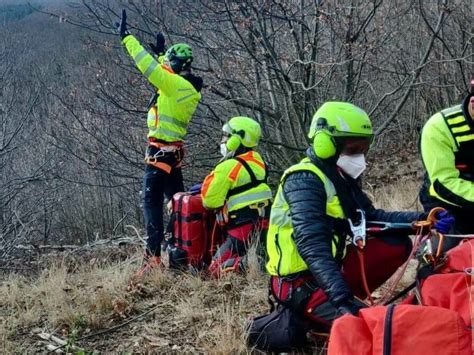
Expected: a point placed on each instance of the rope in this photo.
(360, 253)
(213, 238)
(389, 293)
(419, 238)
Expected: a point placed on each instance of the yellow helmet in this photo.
(334, 123)
(242, 130)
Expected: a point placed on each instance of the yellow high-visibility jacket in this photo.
(447, 150)
(177, 101)
(229, 175)
(283, 256)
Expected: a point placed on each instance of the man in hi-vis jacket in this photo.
(447, 150)
(177, 96)
(237, 188)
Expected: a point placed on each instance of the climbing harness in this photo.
(154, 160)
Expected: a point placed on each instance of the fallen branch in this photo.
(111, 329)
(43, 247)
(108, 330)
(98, 243)
(24, 268)
(60, 343)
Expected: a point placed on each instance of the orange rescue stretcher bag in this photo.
(451, 285)
(191, 230)
(399, 330)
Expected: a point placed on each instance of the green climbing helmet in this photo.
(242, 130)
(340, 127)
(179, 56)
(341, 119)
(179, 50)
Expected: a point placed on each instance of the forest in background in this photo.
(73, 106)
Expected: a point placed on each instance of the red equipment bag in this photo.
(191, 232)
(452, 287)
(460, 258)
(400, 330)
(451, 291)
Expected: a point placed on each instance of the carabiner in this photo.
(358, 230)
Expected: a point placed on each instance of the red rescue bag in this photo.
(460, 258)
(400, 330)
(452, 291)
(453, 287)
(192, 229)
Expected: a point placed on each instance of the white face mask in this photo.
(225, 152)
(352, 165)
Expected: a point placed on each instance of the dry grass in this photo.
(397, 197)
(61, 301)
(194, 315)
(75, 298)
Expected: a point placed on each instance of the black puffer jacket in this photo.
(313, 229)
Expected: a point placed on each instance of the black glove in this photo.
(122, 26)
(351, 306)
(159, 47)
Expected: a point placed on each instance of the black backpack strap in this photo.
(387, 330)
(253, 178)
(254, 182)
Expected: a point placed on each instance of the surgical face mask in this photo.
(224, 151)
(352, 165)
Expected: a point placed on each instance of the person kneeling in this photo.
(237, 188)
(318, 206)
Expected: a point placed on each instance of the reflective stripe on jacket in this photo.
(231, 174)
(447, 150)
(177, 101)
(284, 258)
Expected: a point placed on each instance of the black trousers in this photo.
(156, 185)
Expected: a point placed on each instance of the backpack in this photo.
(192, 229)
(400, 330)
(282, 330)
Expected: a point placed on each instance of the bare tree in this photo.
(72, 143)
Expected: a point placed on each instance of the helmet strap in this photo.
(176, 64)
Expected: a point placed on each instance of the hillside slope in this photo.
(74, 299)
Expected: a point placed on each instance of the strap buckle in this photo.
(358, 230)
(222, 216)
(260, 207)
